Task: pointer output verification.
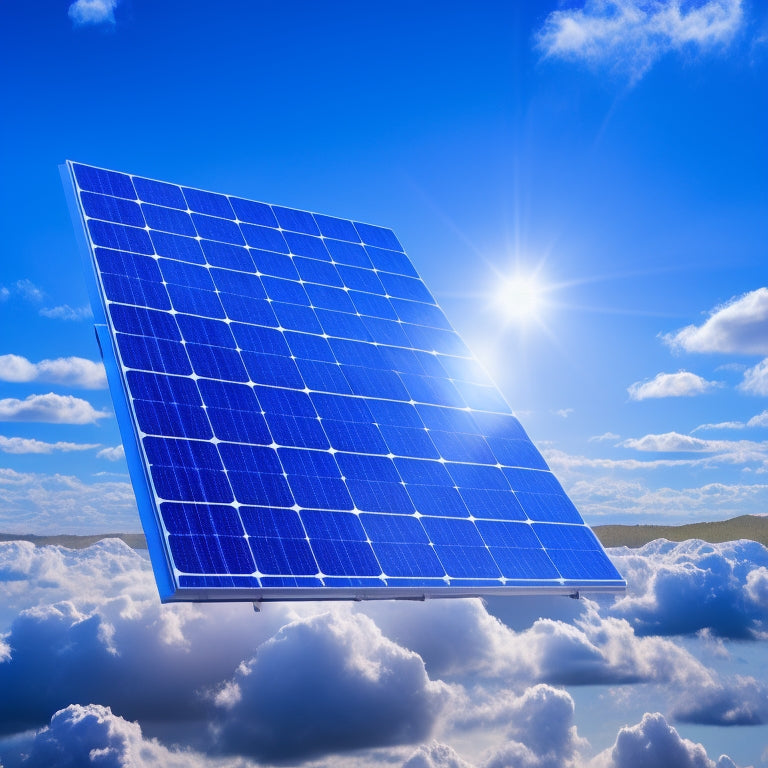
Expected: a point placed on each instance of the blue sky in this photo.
(608, 154)
(615, 151)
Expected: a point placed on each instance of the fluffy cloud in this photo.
(112, 454)
(86, 626)
(453, 637)
(631, 35)
(30, 445)
(740, 326)
(755, 381)
(91, 735)
(50, 408)
(653, 742)
(458, 640)
(670, 442)
(92, 629)
(435, 755)
(380, 694)
(757, 586)
(680, 384)
(542, 732)
(742, 702)
(759, 420)
(610, 436)
(93, 11)
(71, 371)
(27, 290)
(65, 312)
(32, 502)
(682, 588)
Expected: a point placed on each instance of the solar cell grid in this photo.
(300, 418)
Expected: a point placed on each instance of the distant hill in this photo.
(744, 527)
(752, 527)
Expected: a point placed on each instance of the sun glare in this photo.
(520, 298)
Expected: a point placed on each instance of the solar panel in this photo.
(300, 419)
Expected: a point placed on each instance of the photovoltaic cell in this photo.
(300, 419)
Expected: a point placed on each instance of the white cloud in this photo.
(631, 35)
(91, 735)
(606, 436)
(28, 290)
(435, 755)
(86, 626)
(718, 452)
(598, 490)
(680, 384)
(380, 694)
(72, 371)
(740, 326)
(93, 11)
(683, 588)
(759, 420)
(744, 701)
(755, 381)
(757, 586)
(720, 425)
(542, 733)
(670, 442)
(25, 289)
(653, 742)
(564, 413)
(65, 312)
(51, 409)
(728, 451)
(39, 503)
(112, 454)
(20, 445)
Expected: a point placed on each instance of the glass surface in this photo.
(303, 415)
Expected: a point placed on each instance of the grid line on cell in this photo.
(274, 364)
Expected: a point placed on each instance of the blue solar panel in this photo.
(300, 418)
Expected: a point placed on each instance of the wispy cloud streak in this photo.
(630, 36)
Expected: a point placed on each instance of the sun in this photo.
(520, 298)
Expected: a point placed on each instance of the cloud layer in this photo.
(32, 502)
(92, 664)
(630, 36)
(71, 371)
(19, 445)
